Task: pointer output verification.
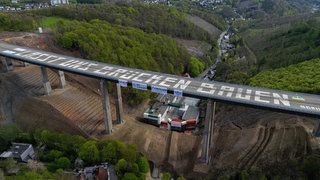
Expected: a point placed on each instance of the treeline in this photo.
(302, 77)
(64, 151)
(285, 45)
(16, 22)
(149, 18)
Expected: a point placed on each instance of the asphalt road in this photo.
(301, 103)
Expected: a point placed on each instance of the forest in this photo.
(285, 45)
(16, 22)
(124, 46)
(127, 46)
(301, 77)
(61, 151)
(268, 9)
(270, 46)
(149, 18)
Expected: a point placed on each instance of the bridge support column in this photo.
(119, 104)
(209, 120)
(62, 79)
(316, 130)
(106, 106)
(7, 63)
(45, 81)
(25, 64)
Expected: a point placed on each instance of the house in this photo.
(58, 2)
(97, 172)
(19, 151)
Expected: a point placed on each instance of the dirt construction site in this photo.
(241, 137)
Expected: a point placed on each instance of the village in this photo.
(26, 154)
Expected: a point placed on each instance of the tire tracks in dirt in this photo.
(251, 157)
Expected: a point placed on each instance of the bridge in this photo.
(276, 100)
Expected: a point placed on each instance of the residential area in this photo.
(25, 153)
(16, 6)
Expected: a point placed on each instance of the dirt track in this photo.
(242, 137)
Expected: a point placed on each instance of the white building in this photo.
(58, 2)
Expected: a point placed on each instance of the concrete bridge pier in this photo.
(25, 64)
(316, 130)
(62, 79)
(45, 81)
(207, 131)
(7, 63)
(119, 104)
(106, 107)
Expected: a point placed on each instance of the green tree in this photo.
(8, 164)
(108, 153)
(89, 152)
(30, 175)
(121, 166)
(143, 164)
(53, 155)
(62, 162)
(130, 153)
(48, 138)
(130, 176)
(195, 67)
(8, 133)
(166, 176)
(134, 168)
(77, 142)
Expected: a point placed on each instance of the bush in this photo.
(63, 163)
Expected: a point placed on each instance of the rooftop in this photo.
(191, 113)
(6, 154)
(18, 148)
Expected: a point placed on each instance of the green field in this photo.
(51, 22)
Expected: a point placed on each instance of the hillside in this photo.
(284, 45)
(242, 137)
(302, 77)
(269, 44)
(269, 9)
(157, 19)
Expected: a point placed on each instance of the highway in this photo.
(300, 103)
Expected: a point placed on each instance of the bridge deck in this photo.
(300, 103)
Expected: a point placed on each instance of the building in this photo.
(100, 172)
(173, 113)
(58, 2)
(19, 151)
